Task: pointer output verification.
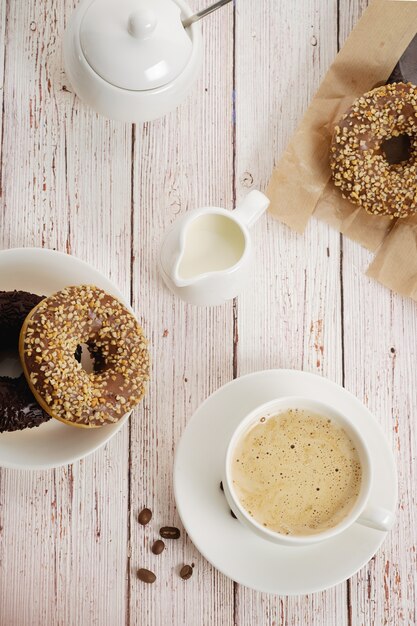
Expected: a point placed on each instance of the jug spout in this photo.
(170, 254)
(213, 244)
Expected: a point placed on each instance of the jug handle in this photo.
(252, 207)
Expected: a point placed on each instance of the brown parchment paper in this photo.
(301, 184)
(395, 265)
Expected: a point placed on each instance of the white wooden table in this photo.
(105, 192)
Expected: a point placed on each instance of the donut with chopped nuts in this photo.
(357, 159)
(18, 407)
(84, 315)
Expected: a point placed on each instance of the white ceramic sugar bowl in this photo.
(132, 60)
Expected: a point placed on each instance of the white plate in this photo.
(52, 444)
(231, 547)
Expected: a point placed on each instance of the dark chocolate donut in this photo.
(18, 407)
(14, 308)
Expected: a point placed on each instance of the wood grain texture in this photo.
(289, 323)
(70, 543)
(181, 162)
(65, 185)
(380, 342)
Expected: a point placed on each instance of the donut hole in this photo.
(10, 363)
(90, 357)
(397, 149)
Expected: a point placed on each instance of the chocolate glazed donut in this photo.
(88, 316)
(18, 407)
(358, 162)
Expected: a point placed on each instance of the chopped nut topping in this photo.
(86, 315)
(358, 163)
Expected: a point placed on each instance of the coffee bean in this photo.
(169, 532)
(232, 514)
(158, 546)
(221, 485)
(146, 576)
(186, 572)
(145, 517)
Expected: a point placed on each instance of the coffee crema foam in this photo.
(296, 473)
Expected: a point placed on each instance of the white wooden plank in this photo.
(66, 185)
(381, 336)
(380, 352)
(3, 18)
(181, 162)
(294, 320)
(380, 349)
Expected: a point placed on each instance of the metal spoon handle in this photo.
(197, 16)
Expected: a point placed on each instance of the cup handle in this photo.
(252, 207)
(377, 517)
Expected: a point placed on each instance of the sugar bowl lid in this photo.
(135, 44)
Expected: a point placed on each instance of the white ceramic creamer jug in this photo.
(205, 258)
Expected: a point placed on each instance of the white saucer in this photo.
(53, 444)
(226, 543)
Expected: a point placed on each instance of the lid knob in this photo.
(135, 44)
(141, 24)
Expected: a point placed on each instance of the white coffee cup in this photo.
(362, 511)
